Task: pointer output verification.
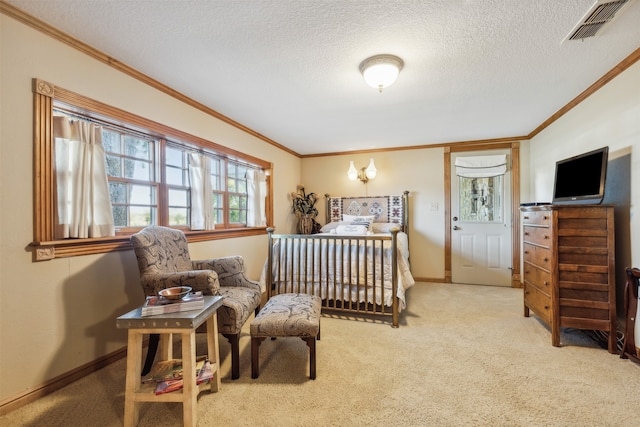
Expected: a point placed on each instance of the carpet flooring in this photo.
(463, 356)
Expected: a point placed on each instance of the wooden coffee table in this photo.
(185, 324)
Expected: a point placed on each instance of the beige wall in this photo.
(421, 172)
(60, 314)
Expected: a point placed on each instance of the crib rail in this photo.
(354, 274)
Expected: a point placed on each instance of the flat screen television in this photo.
(580, 179)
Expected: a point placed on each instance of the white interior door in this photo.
(481, 226)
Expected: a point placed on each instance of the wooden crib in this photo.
(358, 274)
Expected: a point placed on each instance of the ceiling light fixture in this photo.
(381, 71)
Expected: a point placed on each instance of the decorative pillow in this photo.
(359, 220)
(352, 229)
(384, 227)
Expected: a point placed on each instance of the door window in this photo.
(481, 199)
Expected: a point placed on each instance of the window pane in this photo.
(216, 177)
(141, 195)
(136, 147)
(177, 197)
(178, 216)
(120, 216)
(481, 199)
(136, 169)
(175, 176)
(141, 216)
(118, 192)
(111, 141)
(241, 186)
(217, 207)
(234, 202)
(174, 157)
(113, 166)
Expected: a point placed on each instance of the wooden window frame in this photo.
(44, 245)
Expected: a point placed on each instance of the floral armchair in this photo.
(164, 261)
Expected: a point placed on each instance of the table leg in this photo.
(190, 388)
(166, 346)
(213, 350)
(134, 369)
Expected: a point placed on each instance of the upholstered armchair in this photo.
(164, 261)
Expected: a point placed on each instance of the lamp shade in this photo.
(352, 173)
(381, 71)
(371, 171)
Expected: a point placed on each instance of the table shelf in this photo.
(185, 325)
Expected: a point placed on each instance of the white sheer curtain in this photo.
(202, 214)
(256, 194)
(84, 208)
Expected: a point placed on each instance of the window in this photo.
(481, 199)
(131, 172)
(150, 174)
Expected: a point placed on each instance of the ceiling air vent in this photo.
(600, 14)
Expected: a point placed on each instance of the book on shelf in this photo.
(203, 374)
(155, 305)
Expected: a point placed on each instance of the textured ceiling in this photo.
(288, 69)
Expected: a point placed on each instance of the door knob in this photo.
(455, 227)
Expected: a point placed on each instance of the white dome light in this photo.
(381, 71)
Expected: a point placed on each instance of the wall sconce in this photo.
(364, 174)
(381, 71)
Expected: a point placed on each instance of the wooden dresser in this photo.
(569, 267)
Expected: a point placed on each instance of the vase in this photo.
(305, 224)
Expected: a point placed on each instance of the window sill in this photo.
(43, 251)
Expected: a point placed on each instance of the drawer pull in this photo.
(546, 260)
(526, 217)
(545, 217)
(545, 283)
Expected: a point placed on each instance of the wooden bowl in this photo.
(176, 293)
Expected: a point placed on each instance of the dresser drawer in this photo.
(537, 277)
(538, 302)
(539, 235)
(538, 256)
(536, 217)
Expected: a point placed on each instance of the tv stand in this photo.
(569, 268)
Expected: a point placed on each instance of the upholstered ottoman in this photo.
(287, 315)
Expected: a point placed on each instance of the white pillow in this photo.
(384, 227)
(327, 228)
(352, 229)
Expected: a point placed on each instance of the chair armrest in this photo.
(230, 271)
(205, 281)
